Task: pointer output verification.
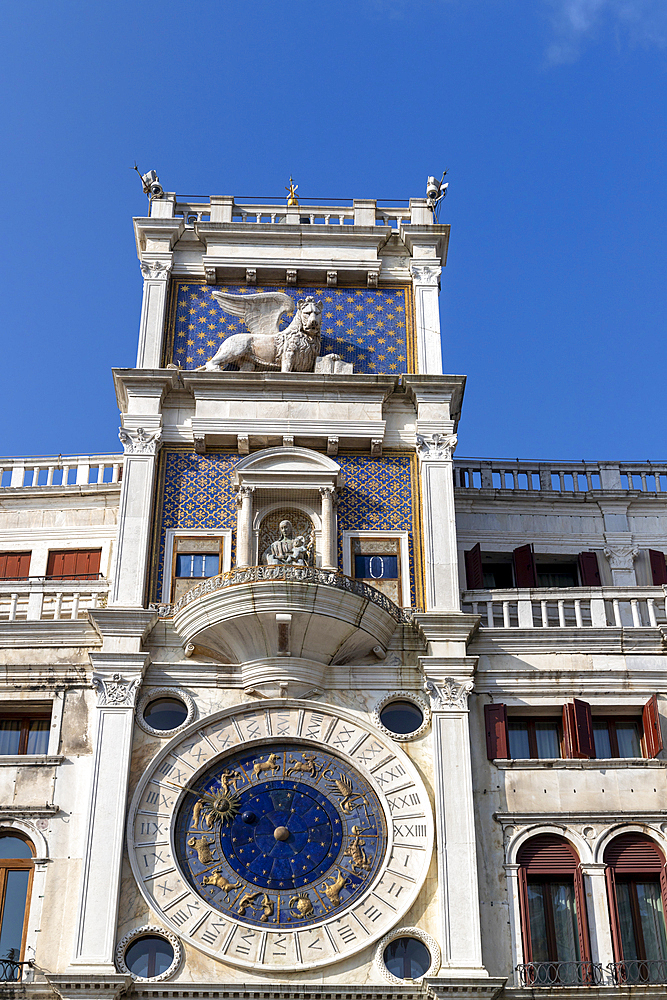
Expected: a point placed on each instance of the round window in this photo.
(165, 713)
(402, 717)
(149, 956)
(407, 958)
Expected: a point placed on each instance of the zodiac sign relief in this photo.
(355, 851)
(216, 880)
(343, 786)
(332, 891)
(265, 905)
(203, 848)
(270, 764)
(301, 902)
(309, 764)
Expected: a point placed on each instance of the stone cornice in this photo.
(122, 625)
(568, 640)
(63, 633)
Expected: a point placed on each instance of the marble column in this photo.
(426, 285)
(440, 554)
(134, 516)
(153, 312)
(329, 560)
(116, 677)
(458, 893)
(597, 908)
(244, 527)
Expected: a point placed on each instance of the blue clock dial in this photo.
(281, 835)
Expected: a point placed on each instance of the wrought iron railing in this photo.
(638, 972)
(12, 971)
(287, 574)
(560, 974)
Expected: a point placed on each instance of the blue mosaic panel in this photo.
(364, 325)
(379, 494)
(198, 493)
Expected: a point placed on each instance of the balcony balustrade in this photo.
(41, 599)
(193, 212)
(569, 607)
(70, 470)
(533, 974)
(475, 474)
(12, 971)
(638, 972)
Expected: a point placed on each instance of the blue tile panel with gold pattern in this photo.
(367, 326)
(378, 494)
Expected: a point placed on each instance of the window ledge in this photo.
(595, 764)
(29, 759)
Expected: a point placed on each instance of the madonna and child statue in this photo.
(289, 549)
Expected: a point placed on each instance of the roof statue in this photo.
(292, 199)
(268, 348)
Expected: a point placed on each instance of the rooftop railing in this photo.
(559, 477)
(569, 607)
(359, 213)
(61, 470)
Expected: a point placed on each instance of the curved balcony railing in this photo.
(560, 974)
(287, 574)
(639, 972)
(12, 971)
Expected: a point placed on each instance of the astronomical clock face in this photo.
(280, 837)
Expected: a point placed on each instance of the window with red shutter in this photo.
(652, 729)
(658, 567)
(553, 913)
(637, 897)
(14, 565)
(74, 564)
(589, 571)
(495, 718)
(474, 568)
(578, 739)
(523, 559)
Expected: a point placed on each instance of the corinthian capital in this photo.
(116, 691)
(424, 274)
(156, 269)
(139, 441)
(452, 695)
(438, 447)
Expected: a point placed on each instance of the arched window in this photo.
(637, 893)
(16, 869)
(553, 914)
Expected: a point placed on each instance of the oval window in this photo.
(402, 717)
(165, 714)
(407, 958)
(149, 956)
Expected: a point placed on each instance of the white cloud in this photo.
(575, 22)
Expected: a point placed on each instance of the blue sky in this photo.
(548, 114)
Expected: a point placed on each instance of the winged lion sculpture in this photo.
(265, 347)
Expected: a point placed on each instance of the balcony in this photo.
(12, 971)
(633, 972)
(568, 607)
(523, 477)
(41, 599)
(59, 470)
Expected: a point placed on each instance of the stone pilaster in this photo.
(440, 555)
(244, 526)
(599, 925)
(426, 285)
(153, 311)
(116, 678)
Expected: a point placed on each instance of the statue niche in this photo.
(287, 541)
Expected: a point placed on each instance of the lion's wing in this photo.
(261, 313)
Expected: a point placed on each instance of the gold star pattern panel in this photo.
(381, 494)
(370, 327)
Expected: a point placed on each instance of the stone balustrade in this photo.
(569, 607)
(228, 210)
(40, 599)
(474, 474)
(61, 470)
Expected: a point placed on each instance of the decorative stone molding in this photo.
(410, 696)
(372, 279)
(87, 987)
(116, 692)
(210, 275)
(332, 445)
(156, 269)
(436, 447)
(139, 441)
(244, 493)
(251, 276)
(290, 277)
(328, 493)
(451, 695)
(152, 929)
(411, 932)
(621, 556)
(243, 444)
(425, 275)
(376, 447)
(166, 692)
(332, 278)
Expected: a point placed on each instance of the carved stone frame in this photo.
(165, 692)
(402, 696)
(153, 930)
(411, 932)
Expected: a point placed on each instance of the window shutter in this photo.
(474, 569)
(652, 730)
(583, 728)
(14, 565)
(548, 854)
(616, 940)
(523, 559)
(77, 564)
(658, 567)
(55, 564)
(582, 917)
(495, 718)
(589, 571)
(633, 854)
